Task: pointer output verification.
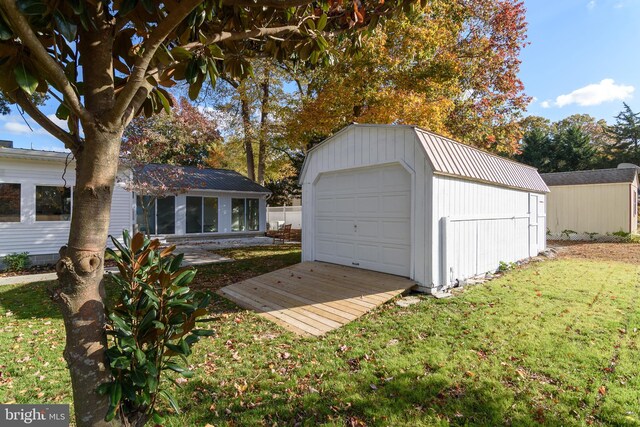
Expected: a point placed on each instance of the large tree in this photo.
(625, 133)
(450, 67)
(105, 62)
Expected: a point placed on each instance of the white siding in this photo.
(486, 223)
(478, 225)
(366, 146)
(38, 237)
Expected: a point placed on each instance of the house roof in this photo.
(598, 176)
(196, 178)
(453, 158)
(29, 154)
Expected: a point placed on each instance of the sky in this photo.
(583, 57)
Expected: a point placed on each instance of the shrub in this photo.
(16, 261)
(151, 329)
(568, 233)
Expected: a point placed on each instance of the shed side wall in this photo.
(486, 224)
(591, 208)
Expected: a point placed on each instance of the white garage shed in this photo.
(404, 201)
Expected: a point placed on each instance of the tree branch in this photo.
(136, 102)
(51, 68)
(150, 46)
(69, 141)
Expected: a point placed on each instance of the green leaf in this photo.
(120, 324)
(33, 7)
(203, 332)
(147, 320)
(216, 52)
(139, 379)
(175, 262)
(164, 101)
(322, 22)
(25, 79)
(66, 28)
(63, 114)
(184, 278)
(181, 54)
(149, 6)
(170, 399)
(140, 357)
(157, 418)
(116, 394)
(104, 388)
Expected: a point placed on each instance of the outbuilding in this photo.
(583, 204)
(405, 201)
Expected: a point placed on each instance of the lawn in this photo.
(553, 343)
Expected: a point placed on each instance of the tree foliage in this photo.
(151, 329)
(450, 67)
(625, 133)
(576, 142)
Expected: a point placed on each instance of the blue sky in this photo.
(583, 57)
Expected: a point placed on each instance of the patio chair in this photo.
(282, 234)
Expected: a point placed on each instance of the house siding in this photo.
(46, 237)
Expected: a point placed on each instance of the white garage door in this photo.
(363, 219)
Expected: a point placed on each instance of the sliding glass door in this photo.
(156, 215)
(245, 214)
(202, 214)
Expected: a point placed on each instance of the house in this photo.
(404, 201)
(36, 198)
(596, 201)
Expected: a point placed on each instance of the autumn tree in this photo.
(450, 67)
(107, 62)
(255, 106)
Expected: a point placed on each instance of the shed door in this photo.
(363, 219)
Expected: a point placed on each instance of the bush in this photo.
(16, 261)
(151, 329)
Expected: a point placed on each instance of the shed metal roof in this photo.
(196, 178)
(598, 176)
(453, 158)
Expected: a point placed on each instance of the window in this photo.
(53, 203)
(202, 214)
(156, 215)
(9, 202)
(245, 214)
(166, 215)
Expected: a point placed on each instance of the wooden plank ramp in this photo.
(313, 298)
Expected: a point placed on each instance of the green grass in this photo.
(555, 343)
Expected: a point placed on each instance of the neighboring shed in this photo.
(595, 201)
(401, 200)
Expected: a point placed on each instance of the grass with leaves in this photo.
(553, 343)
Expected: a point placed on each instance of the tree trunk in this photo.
(248, 139)
(264, 117)
(80, 292)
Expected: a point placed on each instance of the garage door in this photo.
(363, 219)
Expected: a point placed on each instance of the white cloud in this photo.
(591, 5)
(545, 104)
(17, 128)
(595, 94)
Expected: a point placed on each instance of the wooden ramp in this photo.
(313, 298)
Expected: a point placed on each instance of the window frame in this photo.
(202, 217)
(20, 217)
(246, 213)
(35, 203)
(153, 210)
